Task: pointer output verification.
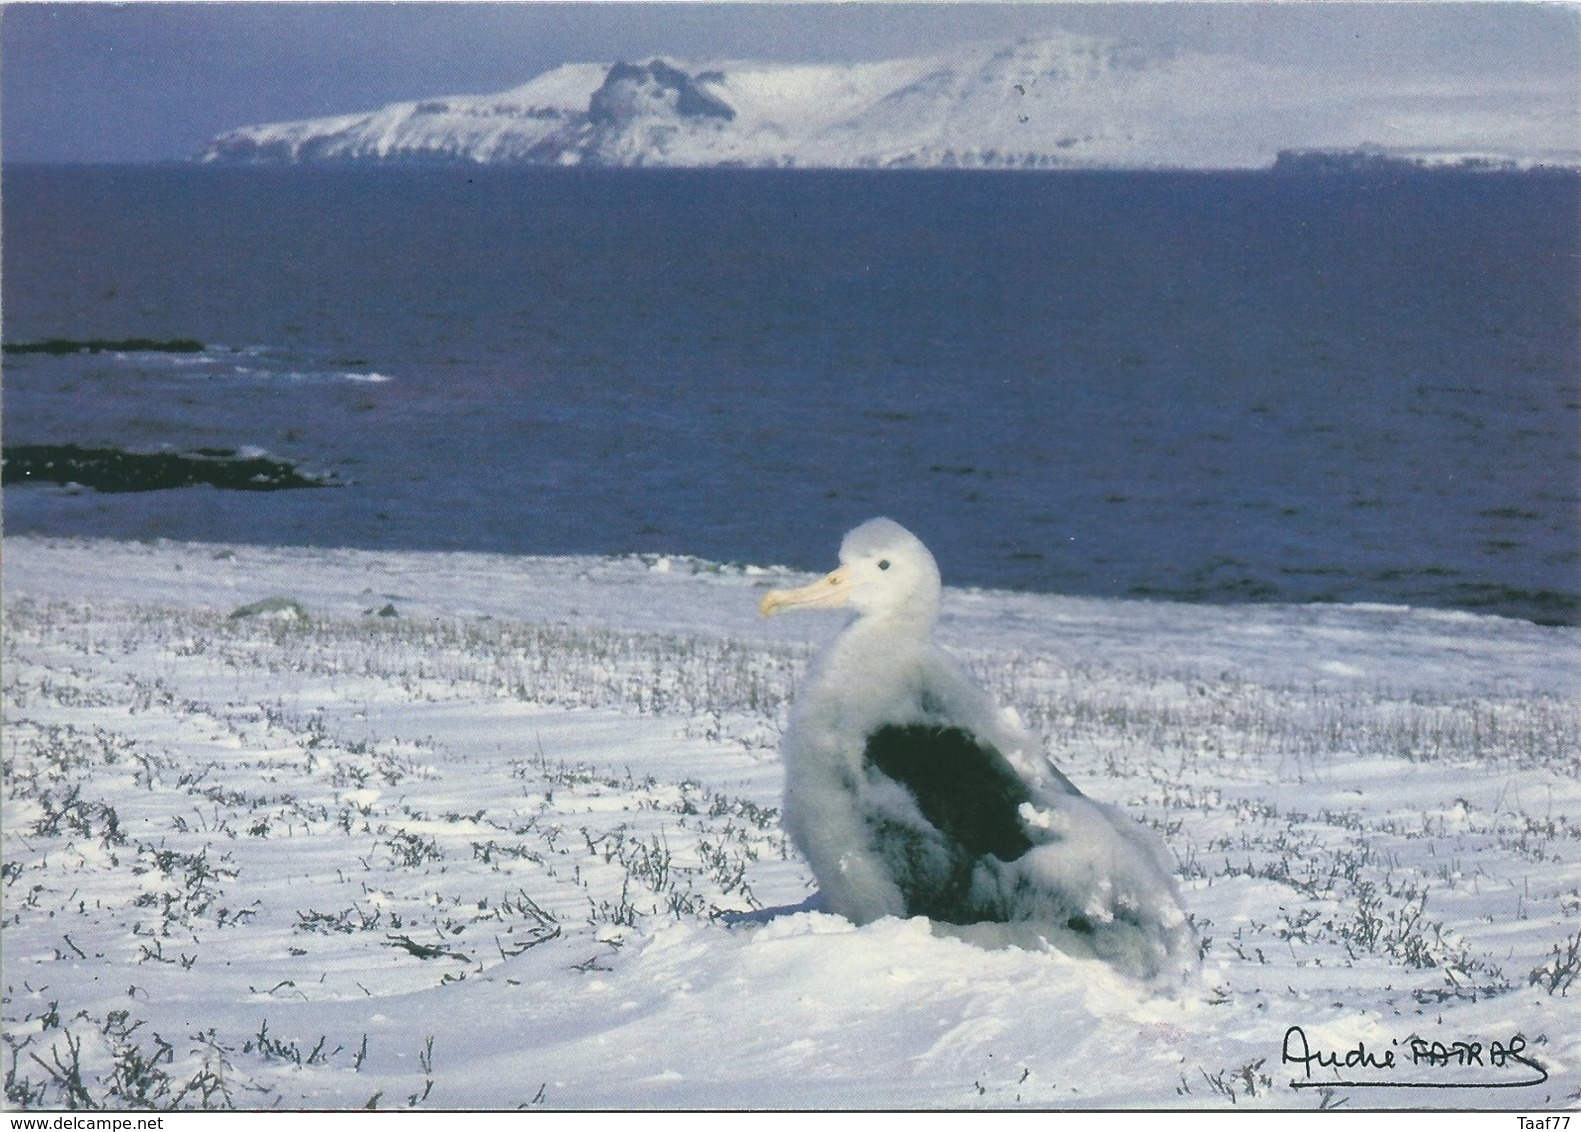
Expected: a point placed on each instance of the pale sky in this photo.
(154, 81)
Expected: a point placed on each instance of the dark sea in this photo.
(1269, 387)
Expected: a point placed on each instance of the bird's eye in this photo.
(883, 564)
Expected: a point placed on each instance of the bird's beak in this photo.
(830, 593)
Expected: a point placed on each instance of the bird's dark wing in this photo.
(963, 786)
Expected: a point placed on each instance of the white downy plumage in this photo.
(912, 794)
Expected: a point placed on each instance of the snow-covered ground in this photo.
(330, 829)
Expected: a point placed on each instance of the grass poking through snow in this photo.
(278, 817)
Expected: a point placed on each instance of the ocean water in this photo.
(1240, 387)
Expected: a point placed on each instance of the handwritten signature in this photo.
(1368, 1064)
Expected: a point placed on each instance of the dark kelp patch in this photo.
(106, 345)
(111, 470)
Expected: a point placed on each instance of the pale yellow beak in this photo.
(831, 592)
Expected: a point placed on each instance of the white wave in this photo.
(309, 376)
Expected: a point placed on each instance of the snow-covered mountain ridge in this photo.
(1056, 101)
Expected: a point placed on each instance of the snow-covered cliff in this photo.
(1054, 101)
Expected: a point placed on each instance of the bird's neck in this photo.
(883, 634)
(870, 674)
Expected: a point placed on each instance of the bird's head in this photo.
(884, 571)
